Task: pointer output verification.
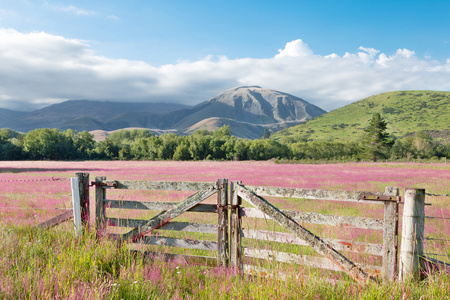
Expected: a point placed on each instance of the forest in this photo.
(141, 144)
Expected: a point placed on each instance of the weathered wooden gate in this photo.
(169, 210)
(329, 249)
(230, 232)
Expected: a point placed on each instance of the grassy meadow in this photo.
(56, 263)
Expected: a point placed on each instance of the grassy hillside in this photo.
(405, 112)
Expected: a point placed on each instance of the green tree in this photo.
(50, 144)
(376, 141)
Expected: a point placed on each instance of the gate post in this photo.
(100, 195)
(412, 233)
(235, 228)
(83, 182)
(222, 212)
(390, 235)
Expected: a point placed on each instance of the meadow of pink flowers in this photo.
(33, 191)
(45, 184)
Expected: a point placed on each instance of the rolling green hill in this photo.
(405, 112)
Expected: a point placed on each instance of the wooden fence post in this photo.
(390, 235)
(100, 195)
(412, 233)
(83, 182)
(76, 204)
(222, 212)
(235, 227)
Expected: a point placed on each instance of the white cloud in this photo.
(70, 8)
(38, 69)
(294, 49)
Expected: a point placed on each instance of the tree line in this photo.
(141, 144)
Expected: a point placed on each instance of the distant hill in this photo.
(247, 110)
(7, 115)
(83, 114)
(405, 112)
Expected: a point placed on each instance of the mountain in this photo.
(404, 111)
(83, 114)
(7, 115)
(247, 110)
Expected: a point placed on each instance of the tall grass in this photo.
(57, 264)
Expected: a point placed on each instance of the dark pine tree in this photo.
(376, 142)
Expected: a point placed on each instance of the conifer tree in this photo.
(376, 141)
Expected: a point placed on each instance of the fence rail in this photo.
(162, 221)
(230, 232)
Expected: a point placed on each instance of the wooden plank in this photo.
(338, 245)
(157, 185)
(83, 181)
(183, 258)
(315, 242)
(305, 260)
(76, 204)
(316, 194)
(67, 215)
(181, 243)
(166, 216)
(222, 214)
(144, 205)
(278, 275)
(390, 235)
(175, 226)
(431, 265)
(235, 229)
(412, 233)
(315, 218)
(100, 194)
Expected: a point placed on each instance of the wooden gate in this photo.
(329, 249)
(169, 210)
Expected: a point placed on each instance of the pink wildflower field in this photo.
(34, 191)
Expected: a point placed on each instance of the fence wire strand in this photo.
(45, 179)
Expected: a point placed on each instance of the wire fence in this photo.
(40, 179)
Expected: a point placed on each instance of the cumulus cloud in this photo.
(38, 69)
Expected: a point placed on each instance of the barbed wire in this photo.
(34, 208)
(435, 239)
(437, 195)
(435, 254)
(440, 218)
(35, 195)
(46, 179)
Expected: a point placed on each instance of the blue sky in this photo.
(328, 52)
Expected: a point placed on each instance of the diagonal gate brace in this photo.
(166, 216)
(315, 242)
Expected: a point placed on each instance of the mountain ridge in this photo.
(244, 107)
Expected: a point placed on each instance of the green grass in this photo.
(405, 112)
(50, 264)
